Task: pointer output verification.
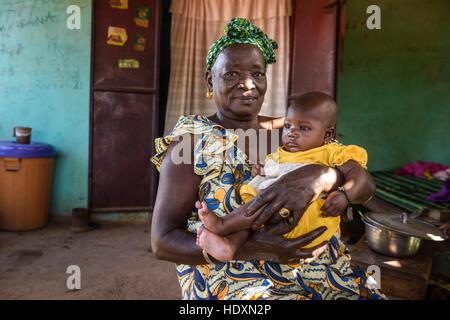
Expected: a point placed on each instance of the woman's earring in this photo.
(209, 94)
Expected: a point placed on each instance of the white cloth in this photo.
(272, 172)
(442, 175)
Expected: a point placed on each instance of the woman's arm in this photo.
(177, 193)
(269, 244)
(359, 180)
(356, 186)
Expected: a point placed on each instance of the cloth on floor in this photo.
(443, 195)
(421, 169)
(408, 193)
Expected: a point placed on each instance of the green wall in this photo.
(394, 85)
(44, 84)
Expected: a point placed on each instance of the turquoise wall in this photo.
(394, 86)
(44, 84)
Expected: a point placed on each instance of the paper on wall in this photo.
(117, 36)
(128, 64)
(139, 42)
(119, 4)
(142, 16)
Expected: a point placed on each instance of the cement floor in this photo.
(115, 263)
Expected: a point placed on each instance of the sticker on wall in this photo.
(139, 42)
(117, 36)
(128, 64)
(119, 4)
(142, 16)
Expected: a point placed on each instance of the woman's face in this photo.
(238, 81)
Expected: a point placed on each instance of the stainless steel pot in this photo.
(391, 243)
(396, 237)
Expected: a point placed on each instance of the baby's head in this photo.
(310, 122)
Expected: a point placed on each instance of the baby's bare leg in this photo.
(209, 218)
(223, 226)
(221, 248)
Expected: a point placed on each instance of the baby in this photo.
(307, 138)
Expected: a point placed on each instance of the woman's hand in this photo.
(170, 240)
(269, 244)
(294, 191)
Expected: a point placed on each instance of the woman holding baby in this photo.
(266, 264)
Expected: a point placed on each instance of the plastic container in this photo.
(26, 172)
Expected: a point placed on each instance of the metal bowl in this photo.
(391, 243)
(398, 235)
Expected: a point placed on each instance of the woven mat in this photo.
(407, 193)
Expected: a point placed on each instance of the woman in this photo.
(268, 266)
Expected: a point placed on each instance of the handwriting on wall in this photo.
(36, 49)
(22, 14)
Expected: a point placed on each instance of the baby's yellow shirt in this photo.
(332, 155)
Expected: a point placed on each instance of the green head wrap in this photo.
(240, 30)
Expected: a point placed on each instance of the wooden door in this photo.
(314, 46)
(124, 100)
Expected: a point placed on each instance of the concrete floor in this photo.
(115, 263)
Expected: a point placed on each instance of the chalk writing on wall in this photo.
(21, 14)
(37, 50)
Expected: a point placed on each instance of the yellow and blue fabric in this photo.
(217, 160)
(240, 30)
(331, 155)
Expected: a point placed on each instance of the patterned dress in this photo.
(223, 168)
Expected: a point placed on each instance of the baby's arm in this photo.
(257, 170)
(354, 184)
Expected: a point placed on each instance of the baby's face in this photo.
(303, 129)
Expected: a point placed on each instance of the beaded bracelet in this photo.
(349, 214)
